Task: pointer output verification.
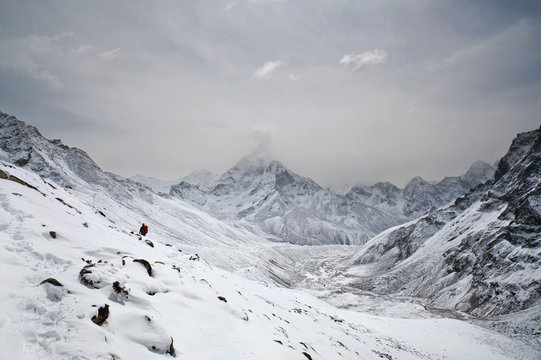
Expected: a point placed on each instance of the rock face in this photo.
(479, 255)
(24, 146)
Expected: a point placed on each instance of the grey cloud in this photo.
(460, 80)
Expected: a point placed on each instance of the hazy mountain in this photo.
(285, 205)
(293, 208)
(419, 197)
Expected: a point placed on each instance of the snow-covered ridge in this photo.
(419, 197)
(292, 208)
(284, 205)
(480, 255)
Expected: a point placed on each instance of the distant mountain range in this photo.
(260, 193)
(289, 207)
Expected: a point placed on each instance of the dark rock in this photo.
(103, 314)
(149, 243)
(51, 281)
(171, 351)
(146, 264)
(53, 234)
(222, 299)
(307, 355)
(120, 289)
(195, 257)
(86, 280)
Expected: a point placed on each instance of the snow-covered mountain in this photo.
(202, 178)
(295, 209)
(286, 206)
(75, 282)
(479, 255)
(69, 167)
(158, 185)
(78, 285)
(419, 197)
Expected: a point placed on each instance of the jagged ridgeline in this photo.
(480, 255)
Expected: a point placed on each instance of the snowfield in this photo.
(191, 309)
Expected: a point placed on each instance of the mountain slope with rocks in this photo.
(480, 255)
(76, 281)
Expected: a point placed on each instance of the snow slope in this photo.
(181, 307)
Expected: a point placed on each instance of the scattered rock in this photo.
(195, 257)
(168, 245)
(146, 264)
(307, 355)
(53, 234)
(83, 275)
(120, 289)
(176, 268)
(85, 224)
(383, 355)
(149, 243)
(103, 314)
(51, 281)
(68, 205)
(222, 299)
(278, 341)
(101, 213)
(6, 176)
(171, 350)
(17, 194)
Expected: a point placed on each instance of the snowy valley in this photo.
(262, 263)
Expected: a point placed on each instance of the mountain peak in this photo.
(260, 156)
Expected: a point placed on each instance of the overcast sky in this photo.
(341, 91)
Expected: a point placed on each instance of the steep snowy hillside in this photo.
(24, 146)
(76, 283)
(73, 169)
(286, 206)
(480, 255)
(419, 196)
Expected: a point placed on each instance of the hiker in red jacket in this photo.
(144, 229)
